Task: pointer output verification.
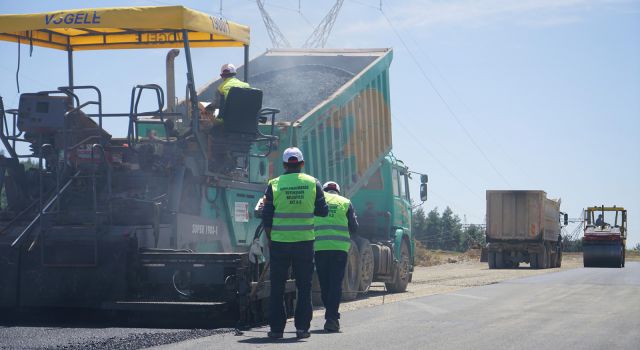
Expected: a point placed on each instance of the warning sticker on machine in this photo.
(241, 213)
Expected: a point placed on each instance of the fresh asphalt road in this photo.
(573, 309)
(586, 308)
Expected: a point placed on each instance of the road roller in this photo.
(604, 243)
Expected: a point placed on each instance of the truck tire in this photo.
(559, 259)
(351, 280)
(484, 254)
(492, 260)
(553, 258)
(401, 271)
(533, 260)
(500, 260)
(366, 264)
(543, 258)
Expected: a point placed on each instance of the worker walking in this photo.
(291, 202)
(331, 251)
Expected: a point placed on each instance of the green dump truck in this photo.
(334, 106)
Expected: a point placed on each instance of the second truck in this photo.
(523, 227)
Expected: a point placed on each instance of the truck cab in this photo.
(384, 213)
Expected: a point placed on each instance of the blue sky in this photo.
(493, 94)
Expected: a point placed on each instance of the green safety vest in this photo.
(332, 232)
(294, 199)
(230, 82)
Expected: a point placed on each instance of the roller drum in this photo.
(603, 255)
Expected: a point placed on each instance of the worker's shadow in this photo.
(289, 337)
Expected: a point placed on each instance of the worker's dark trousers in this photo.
(298, 255)
(330, 265)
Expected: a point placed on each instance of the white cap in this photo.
(331, 186)
(204, 104)
(292, 152)
(228, 68)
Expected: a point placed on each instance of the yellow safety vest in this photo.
(230, 82)
(332, 232)
(294, 198)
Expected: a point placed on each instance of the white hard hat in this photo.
(331, 186)
(228, 68)
(204, 104)
(292, 152)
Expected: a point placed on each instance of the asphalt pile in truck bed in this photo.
(296, 90)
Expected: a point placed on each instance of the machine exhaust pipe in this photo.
(171, 80)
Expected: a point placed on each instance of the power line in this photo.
(298, 11)
(305, 19)
(277, 38)
(466, 106)
(449, 109)
(320, 35)
(451, 173)
(272, 4)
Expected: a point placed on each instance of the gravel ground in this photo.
(451, 277)
(96, 338)
(144, 340)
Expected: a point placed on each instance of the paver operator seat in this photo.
(241, 114)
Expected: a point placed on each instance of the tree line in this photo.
(445, 231)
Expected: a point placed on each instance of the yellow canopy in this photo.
(605, 209)
(122, 28)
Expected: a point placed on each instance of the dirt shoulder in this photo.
(463, 271)
(454, 271)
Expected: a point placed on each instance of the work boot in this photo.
(332, 326)
(301, 334)
(274, 335)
